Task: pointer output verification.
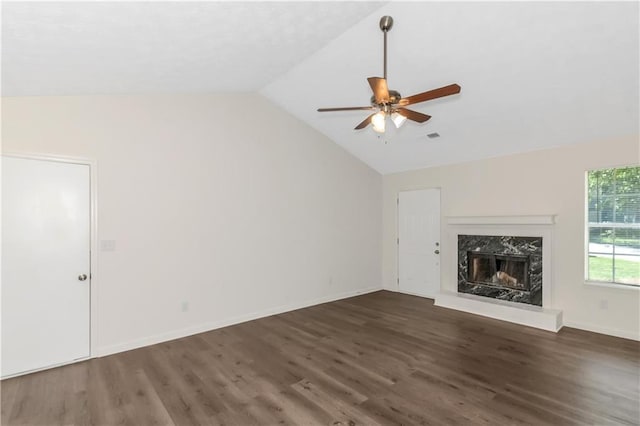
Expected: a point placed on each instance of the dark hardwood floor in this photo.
(381, 358)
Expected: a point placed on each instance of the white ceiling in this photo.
(78, 48)
(533, 74)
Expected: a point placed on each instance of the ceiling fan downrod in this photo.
(386, 22)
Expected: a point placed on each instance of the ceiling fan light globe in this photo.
(398, 119)
(378, 122)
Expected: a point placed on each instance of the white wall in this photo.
(225, 202)
(552, 182)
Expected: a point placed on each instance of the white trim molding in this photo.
(502, 220)
(204, 327)
(625, 334)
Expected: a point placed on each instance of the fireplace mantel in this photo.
(502, 220)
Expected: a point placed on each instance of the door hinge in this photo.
(398, 200)
(398, 280)
(398, 240)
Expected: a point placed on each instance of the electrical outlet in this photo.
(185, 306)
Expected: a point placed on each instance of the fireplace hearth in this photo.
(501, 267)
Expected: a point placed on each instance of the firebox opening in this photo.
(498, 270)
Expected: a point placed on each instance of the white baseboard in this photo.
(201, 328)
(532, 316)
(424, 296)
(603, 330)
(48, 367)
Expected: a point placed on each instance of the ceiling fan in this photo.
(389, 102)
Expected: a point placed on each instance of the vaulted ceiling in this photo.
(533, 74)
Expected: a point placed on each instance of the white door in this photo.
(45, 263)
(419, 242)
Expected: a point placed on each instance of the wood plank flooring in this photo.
(382, 358)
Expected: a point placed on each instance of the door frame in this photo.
(398, 233)
(93, 244)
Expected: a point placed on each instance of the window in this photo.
(614, 225)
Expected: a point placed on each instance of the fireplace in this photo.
(487, 246)
(501, 267)
(498, 270)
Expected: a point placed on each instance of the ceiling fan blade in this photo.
(365, 122)
(380, 89)
(451, 89)
(413, 115)
(345, 109)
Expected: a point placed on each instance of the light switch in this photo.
(107, 245)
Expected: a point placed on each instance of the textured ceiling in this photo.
(533, 74)
(77, 48)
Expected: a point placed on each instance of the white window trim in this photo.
(588, 225)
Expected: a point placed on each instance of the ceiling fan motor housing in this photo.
(394, 98)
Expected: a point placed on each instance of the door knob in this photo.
(82, 277)
(437, 251)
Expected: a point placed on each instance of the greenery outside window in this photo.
(613, 225)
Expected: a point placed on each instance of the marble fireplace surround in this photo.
(544, 317)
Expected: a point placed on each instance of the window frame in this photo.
(588, 226)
